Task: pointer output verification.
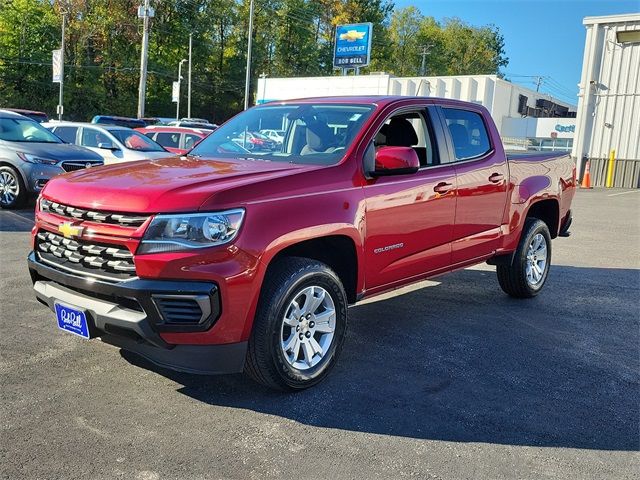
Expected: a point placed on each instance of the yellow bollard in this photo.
(611, 168)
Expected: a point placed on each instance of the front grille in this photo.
(123, 219)
(73, 166)
(183, 309)
(107, 262)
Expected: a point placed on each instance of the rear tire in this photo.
(528, 271)
(13, 192)
(300, 325)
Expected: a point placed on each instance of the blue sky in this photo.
(542, 37)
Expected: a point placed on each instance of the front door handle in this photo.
(442, 187)
(496, 178)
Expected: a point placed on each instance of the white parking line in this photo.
(623, 193)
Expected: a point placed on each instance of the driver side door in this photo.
(410, 218)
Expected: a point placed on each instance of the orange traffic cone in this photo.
(586, 178)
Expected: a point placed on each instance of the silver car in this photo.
(30, 155)
(115, 144)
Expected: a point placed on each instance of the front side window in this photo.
(67, 134)
(92, 138)
(25, 130)
(468, 133)
(313, 133)
(408, 129)
(190, 140)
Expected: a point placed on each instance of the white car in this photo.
(115, 144)
(275, 135)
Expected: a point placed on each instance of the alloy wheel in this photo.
(536, 259)
(308, 328)
(9, 188)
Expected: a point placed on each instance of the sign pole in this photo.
(247, 80)
(61, 93)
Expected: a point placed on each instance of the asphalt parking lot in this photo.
(454, 380)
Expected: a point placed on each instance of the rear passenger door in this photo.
(68, 134)
(482, 175)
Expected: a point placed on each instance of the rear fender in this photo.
(532, 188)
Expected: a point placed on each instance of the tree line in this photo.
(290, 38)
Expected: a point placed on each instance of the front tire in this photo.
(300, 325)
(528, 271)
(13, 193)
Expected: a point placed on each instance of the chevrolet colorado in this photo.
(224, 260)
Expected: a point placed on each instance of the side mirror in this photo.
(107, 146)
(395, 161)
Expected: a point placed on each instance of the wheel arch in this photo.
(547, 210)
(7, 163)
(338, 251)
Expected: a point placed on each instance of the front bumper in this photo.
(126, 314)
(37, 175)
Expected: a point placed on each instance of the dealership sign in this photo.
(352, 45)
(565, 128)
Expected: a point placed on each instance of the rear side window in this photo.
(67, 134)
(171, 140)
(468, 133)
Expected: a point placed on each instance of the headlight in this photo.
(170, 233)
(27, 157)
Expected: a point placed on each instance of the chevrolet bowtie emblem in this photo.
(352, 36)
(70, 230)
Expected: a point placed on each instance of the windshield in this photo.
(136, 141)
(25, 130)
(313, 133)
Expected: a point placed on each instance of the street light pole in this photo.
(61, 94)
(189, 88)
(179, 82)
(144, 12)
(247, 79)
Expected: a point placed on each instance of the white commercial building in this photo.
(609, 99)
(505, 100)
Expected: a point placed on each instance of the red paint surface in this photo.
(404, 228)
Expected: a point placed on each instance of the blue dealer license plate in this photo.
(72, 320)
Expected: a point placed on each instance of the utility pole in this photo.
(144, 12)
(61, 94)
(189, 88)
(538, 83)
(247, 80)
(179, 82)
(424, 53)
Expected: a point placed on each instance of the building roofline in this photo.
(620, 18)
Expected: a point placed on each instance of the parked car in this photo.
(120, 121)
(223, 262)
(115, 144)
(39, 117)
(254, 141)
(187, 124)
(30, 155)
(196, 120)
(178, 140)
(275, 135)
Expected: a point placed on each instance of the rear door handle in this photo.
(496, 178)
(442, 187)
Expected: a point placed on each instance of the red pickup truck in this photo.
(223, 261)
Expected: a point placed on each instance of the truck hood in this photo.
(175, 184)
(55, 151)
